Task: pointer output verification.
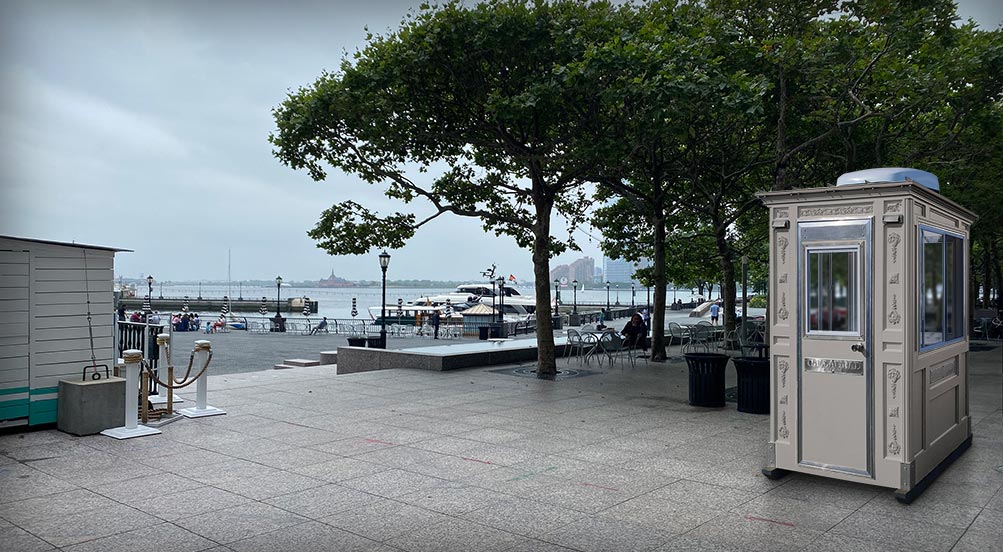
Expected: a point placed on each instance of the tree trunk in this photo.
(728, 277)
(546, 350)
(658, 280)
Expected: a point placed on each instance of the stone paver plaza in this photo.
(476, 460)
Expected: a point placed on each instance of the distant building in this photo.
(621, 271)
(333, 281)
(582, 270)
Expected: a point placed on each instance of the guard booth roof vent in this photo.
(889, 174)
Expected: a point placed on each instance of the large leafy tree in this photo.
(680, 99)
(483, 91)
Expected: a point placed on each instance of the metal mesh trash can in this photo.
(753, 384)
(482, 332)
(707, 378)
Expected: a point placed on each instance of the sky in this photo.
(143, 125)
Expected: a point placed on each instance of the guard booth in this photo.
(868, 341)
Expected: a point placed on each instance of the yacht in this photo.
(470, 294)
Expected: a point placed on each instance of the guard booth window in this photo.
(832, 291)
(942, 285)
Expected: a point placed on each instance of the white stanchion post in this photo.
(163, 342)
(201, 409)
(133, 358)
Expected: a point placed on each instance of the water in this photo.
(337, 302)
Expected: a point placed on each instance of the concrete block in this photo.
(91, 406)
(329, 357)
(301, 362)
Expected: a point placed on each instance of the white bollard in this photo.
(201, 409)
(163, 342)
(133, 358)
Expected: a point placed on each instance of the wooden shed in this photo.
(53, 297)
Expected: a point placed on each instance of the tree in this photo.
(677, 95)
(483, 91)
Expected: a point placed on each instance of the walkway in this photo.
(475, 460)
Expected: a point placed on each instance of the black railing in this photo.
(130, 336)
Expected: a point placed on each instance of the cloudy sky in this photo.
(143, 125)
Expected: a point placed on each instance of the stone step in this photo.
(283, 367)
(301, 362)
(329, 357)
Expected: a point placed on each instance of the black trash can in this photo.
(558, 322)
(753, 384)
(707, 378)
(482, 332)
(278, 324)
(375, 342)
(496, 330)
(356, 342)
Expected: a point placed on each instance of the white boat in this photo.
(471, 294)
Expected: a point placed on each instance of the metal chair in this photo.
(700, 337)
(750, 334)
(677, 332)
(576, 345)
(612, 345)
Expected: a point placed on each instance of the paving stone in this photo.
(233, 469)
(15, 539)
(239, 522)
(659, 513)
(923, 510)
(190, 502)
(600, 534)
(820, 517)
(455, 534)
(985, 533)
(818, 490)
(143, 488)
(399, 457)
(20, 482)
(267, 486)
(322, 501)
(381, 519)
(703, 495)
(877, 527)
(753, 532)
(164, 537)
(451, 498)
(392, 483)
(292, 459)
(521, 516)
(340, 469)
(307, 537)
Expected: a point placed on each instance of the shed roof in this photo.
(479, 309)
(64, 244)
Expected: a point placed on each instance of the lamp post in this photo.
(574, 284)
(607, 299)
(618, 295)
(200, 291)
(148, 307)
(745, 284)
(384, 263)
(501, 300)
(279, 325)
(632, 292)
(557, 297)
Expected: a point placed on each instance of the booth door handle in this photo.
(857, 347)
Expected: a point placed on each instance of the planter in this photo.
(707, 378)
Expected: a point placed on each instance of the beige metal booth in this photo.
(868, 340)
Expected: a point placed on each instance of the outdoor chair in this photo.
(700, 336)
(576, 345)
(677, 333)
(612, 345)
(750, 335)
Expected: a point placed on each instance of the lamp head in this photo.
(149, 280)
(384, 260)
(574, 284)
(278, 280)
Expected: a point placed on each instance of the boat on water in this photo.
(470, 294)
(407, 314)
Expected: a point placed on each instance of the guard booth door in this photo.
(835, 421)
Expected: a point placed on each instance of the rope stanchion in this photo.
(202, 356)
(133, 359)
(163, 395)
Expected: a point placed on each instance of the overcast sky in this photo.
(143, 125)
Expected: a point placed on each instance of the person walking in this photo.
(715, 312)
(435, 324)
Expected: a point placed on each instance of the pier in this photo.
(293, 305)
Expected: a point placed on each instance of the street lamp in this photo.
(617, 295)
(632, 292)
(557, 297)
(384, 263)
(279, 325)
(148, 307)
(607, 296)
(647, 300)
(574, 284)
(501, 300)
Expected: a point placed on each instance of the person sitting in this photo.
(218, 325)
(322, 327)
(634, 333)
(135, 317)
(183, 326)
